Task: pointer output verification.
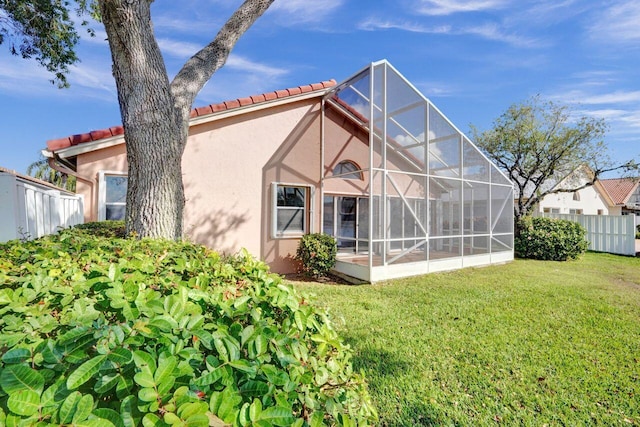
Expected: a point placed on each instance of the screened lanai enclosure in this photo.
(404, 191)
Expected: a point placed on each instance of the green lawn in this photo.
(527, 343)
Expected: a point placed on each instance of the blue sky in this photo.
(471, 58)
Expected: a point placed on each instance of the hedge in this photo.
(108, 331)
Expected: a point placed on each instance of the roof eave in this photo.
(87, 147)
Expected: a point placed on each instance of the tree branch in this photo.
(200, 67)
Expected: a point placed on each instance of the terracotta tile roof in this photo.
(96, 135)
(619, 189)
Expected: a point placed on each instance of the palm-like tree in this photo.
(40, 169)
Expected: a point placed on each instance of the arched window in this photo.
(347, 169)
(576, 196)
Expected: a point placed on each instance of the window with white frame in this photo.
(347, 169)
(575, 211)
(291, 207)
(112, 197)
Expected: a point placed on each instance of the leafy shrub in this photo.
(638, 231)
(107, 331)
(317, 253)
(550, 239)
(103, 228)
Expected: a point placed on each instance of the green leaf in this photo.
(277, 415)
(171, 418)
(198, 420)
(165, 386)
(152, 420)
(127, 410)
(84, 372)
(274, 375)
(19, 377)
(255, 409)
(254, 388)
(205, 338)
(106, 383)
(94, 422)
(244, 366)
(112, 272)
(120, 356)
(68, 407)
(6, 296)
(300, 319)
(52, 353)
(144, 379)
(24, 402)
(317, 419)
(109, 415)
(209, 378)
(166, 367)
(230, 401)
(147, 394)
(73, 336)
(243, 416)
(83, 408)
(16, 355)
(124, 387)
(144, 361)
(54, 394)
(164, 323)
(190, 409)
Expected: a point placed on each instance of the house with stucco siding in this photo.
(370, 161)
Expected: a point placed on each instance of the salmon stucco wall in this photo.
(229, 166)
(112, 159)
(344, 140)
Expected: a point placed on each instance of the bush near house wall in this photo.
(317, 253)
(638, 231)
(99, 331)
(550, 239)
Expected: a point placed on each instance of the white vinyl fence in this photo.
(606, 233)
(29, 209)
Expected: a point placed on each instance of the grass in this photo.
(527, 343)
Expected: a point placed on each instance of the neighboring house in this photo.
(370, 161)
(619, 196)
(592, 200)
(625, 194)
(31, 207)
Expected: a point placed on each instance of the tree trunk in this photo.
(155, 113)
(154, 130)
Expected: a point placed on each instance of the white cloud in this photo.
(240, 63)
(295, 12)
(373, 24)
(185, 50)
(437, 89)
(489, 31)
(190, 26)
(178, 49)
(448, 7)
(618, 23)
(583, 97)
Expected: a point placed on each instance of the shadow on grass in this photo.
(381, 361)
(414, 414)
(384, 371)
